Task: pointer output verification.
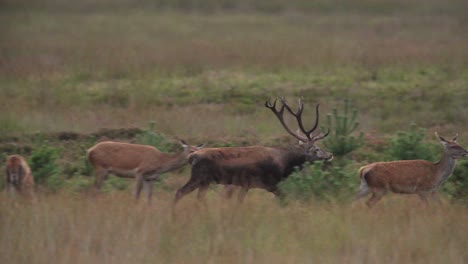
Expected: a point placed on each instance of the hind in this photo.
(363, 187)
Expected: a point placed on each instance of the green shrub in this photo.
(43, 164)
(84, 167)
(340, 141)
(55, 182)
(338, 182)
(409, 145)
(79, 184)
(155, 139)
(115, 183)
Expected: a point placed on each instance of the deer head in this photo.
(452, 148)
(306, 138)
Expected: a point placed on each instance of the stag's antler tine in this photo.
(320, 136)
(301, 105)
(269, 105)
(298, 116)
(279, 114)
(316, 120)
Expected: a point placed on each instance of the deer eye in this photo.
(313, 149)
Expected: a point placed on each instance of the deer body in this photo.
(254, 166)
(145, 163)
(18, 175)
(409, 176)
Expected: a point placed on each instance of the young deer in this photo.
(18, 176)
(254, 166)
(409, 176)
(145, 163)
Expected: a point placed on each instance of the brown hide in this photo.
(145, 163)
(125, 156)
(410, 176)
(236, 156)
(405, 176)
(247, 167)
(18, 174)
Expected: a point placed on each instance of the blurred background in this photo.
(205, 67)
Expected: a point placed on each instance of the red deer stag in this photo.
(145, 163)
(409, 176)
(18, 176)
(254, 166)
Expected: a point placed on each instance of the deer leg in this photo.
(229, 191)
(377, 194)
(202, 192)
(423, 197)
(241, 196)
(274, 190)
(139, 185)
(189, 187)
(101, 175)
(148, 185)
(435, 196)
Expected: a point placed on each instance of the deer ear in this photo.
(183, 143)
(200, 146)
(441, 139)
(454, 139)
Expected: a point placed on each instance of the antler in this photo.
(298, 116)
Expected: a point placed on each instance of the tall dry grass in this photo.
(113, 229)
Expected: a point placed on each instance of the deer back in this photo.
(404, 176)
(124, 156)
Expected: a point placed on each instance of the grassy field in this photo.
(202, 70)
(113, 229)
(66, 69)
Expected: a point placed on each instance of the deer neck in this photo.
(175, 161)
(293, 157)
(444, 168)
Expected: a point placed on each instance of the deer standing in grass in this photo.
(409, 176)
(255, 166)
(142, 162)
(18, 176)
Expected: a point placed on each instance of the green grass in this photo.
(63, 69)
(226, 102)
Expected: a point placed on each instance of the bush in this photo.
(152, 138)
(79, 184)
(409, 145)
(340, 141)
(338, 182)
(115, 183)
(43, 165)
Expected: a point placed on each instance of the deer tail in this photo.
(363, 187)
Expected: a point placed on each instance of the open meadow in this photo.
(76, 229)
(73, 73)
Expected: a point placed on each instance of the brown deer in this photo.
(409, 176)
(145, 163)
(18, 176)
(255, 166)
